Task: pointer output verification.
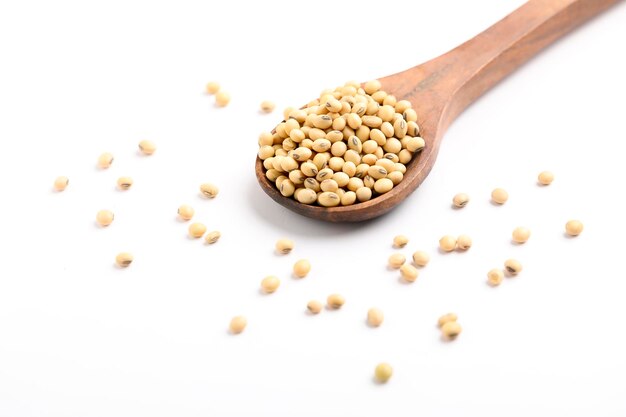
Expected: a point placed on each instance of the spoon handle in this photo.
(463, 74)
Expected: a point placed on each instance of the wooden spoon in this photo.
(440, 89)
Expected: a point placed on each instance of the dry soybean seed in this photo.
(328, 199)
(104, 217)
(409, 272)
(196, 230)
(495, 277)
(348, 198)
(270, 284)
(573, 227)
(306, 196)
(451, 330)
(499, 196)
(238, 324)
(395, 177)
(383, 185)
(335, 301)
(460, 200)
(396, 260)
(463, 242)
(421, 258)
(212, 237)
(105, 160)
(377, 172)
(314, 306)
(364, 194)
(147, 147)
(375, 317)
(186, 212)
(301, 268)
(400, 241)
(545, 178)
(266, 152)
(447, 243)
(383, 372)
(512, 266)
(124, 183)
(267, 106)
(446, 318)
(415, 144)
(371, 87)
(222, 98)
(521, 234)
(209, 190)
(60, 183)
(212, 87)
(123, 259)
(284, 246)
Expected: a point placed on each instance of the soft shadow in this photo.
(294, 224)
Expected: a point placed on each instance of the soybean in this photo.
(335, 301)
(209, 190)
(301, 268)
(375, 317)
(60, 183)
(212, 237)
(284, 246)
(270, 284)
(574, 227)
(400, 241)
(238, 324)
(147, 147)
(105, 217)
(186, 212)
(196, 230)
(123, 259)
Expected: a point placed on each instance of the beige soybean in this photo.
(284, 246)
(212, 237)
(209, 190)
(520, 234)
(186, 212)
(460, 200)
(375, 317)
(421, 258)
(383, 372)
(499, 195)
(447, 243)
(301, 268)
(124, 183)
(451, 330)
(328, 199)
(267, 106)
(105, 160)
(306, 196)
(545, 177)
(371, 87)
(447, 318)
(270, 284)
(348, 198)
(574, 227)
(364, 194)
(400, 241)
(463, 242)
(60, 183)
(396, 260)
(196, 230)
(512, 266)
(383, 185)
(104, 217)
(123, 259)
(335, 301)
(314, 306)
(409, 272)
(395, 177)
(147, 147)
(212, 87)
(238, 324)
(222, 98)
(495, 277)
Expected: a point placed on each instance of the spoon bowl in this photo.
(440, 89)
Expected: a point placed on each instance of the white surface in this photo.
(79, 337)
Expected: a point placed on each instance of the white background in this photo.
(79, 337)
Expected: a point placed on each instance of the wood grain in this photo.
(440, 89)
